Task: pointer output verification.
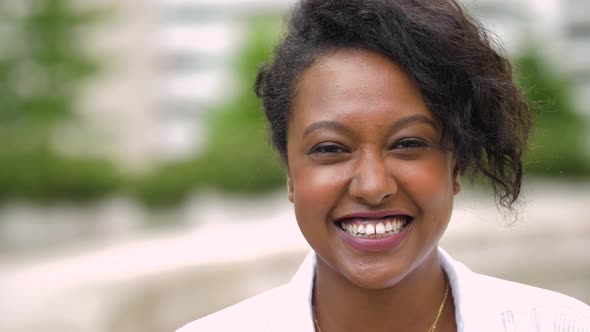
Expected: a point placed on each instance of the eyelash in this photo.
(326, 148)
(404, 144)
(413, 142)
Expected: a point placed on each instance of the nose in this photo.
(372, 183)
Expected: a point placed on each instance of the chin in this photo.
(385, 271)
(375, 282)
(369, 276)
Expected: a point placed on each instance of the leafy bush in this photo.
(40, 67)
(556, 148)
(40, 73)
(237, 158)
(44, 177)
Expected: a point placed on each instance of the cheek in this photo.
(429, 182)
(315, 193)
(315, 190)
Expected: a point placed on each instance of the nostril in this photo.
(372, 190)
(373, 180)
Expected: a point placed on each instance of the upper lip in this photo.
(374, 214)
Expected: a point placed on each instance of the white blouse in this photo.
(482, 304)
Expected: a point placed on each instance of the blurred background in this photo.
(138, 190)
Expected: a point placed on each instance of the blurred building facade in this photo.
(169, 62)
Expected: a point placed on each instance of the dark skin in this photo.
(361, 139)
(414, 307)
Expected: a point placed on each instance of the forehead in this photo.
(353, 82)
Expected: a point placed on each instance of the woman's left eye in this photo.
(410, 143)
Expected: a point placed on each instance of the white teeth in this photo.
(380, 229)
(374, 230)
(361, 229)
(388, 227)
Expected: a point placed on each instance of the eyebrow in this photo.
(342, 128)
(411, 119)
(326, 125)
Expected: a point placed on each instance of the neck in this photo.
(409, 305)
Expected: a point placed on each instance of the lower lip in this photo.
(374, 245)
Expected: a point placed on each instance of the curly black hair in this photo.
(463, 78)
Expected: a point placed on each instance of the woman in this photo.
(377, 108)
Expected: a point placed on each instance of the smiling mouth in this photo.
(375, 228)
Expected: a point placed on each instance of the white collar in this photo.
(471, 312)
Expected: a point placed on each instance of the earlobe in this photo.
(290, 188)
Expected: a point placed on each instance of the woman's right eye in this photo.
(323, 149)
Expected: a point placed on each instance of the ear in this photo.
(456, 177)
(290, 188)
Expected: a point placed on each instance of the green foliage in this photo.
(43, 177)
(39, 79)
(556, 148)
(41, 70)
(41, 67)
(238, 157)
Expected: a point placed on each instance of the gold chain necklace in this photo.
(431, 329)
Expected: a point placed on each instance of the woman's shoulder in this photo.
(252, 314)
(512, 306)
(285, 308)
(528, 308)
(516, 306)
(517, 296)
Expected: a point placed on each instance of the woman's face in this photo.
(372, 187)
